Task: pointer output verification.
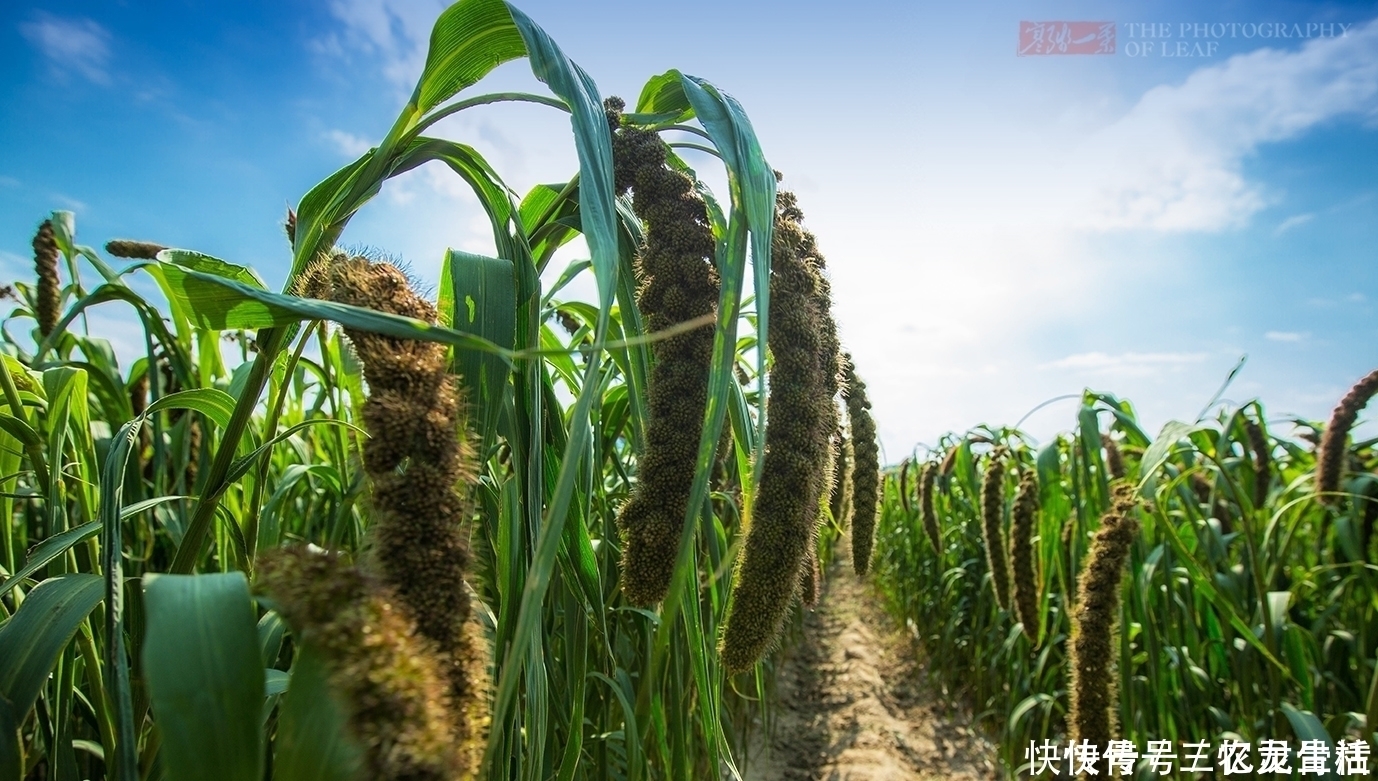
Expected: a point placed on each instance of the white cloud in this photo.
(348, 144)
(1284, 336)
(69, 202)
(1129, 363)
(77, 45)
(974, 301)
(397, 31)
(1295, 221)
(1172, 161)
(1177, 155)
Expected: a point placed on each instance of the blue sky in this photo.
(1000, 230)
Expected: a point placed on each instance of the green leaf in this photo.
(47, 551)
(1308, 727)
(664, 95)
(209, 265)
(1299, 659)
(214, 404)
(593, 143)
(480, 295)
(752, 184)
(469, 40)
(11, 757)
(1157, 453)
(219, 303)
(32, 639)
(205, 677)
(313, 743)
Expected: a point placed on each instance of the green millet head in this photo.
(866, 468)
(48, 303)
(1091, 649)
(388, 676)
(1330, 455)
(992, 526)
(1022, 523)
(930, 517)
(676, 283)
(134, 250)
(801, 419)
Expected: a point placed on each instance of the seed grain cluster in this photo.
(415, 458)
(1022, 521)
(1330, 456)
(930, 517)
(865, 469)
(801, 418)
(389, 678)
(676, 282)
(49, 294)
(992, 527)
(1091, 649)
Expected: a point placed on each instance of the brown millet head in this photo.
(193, 451)
(1114, 462)
(387, 675)
(289, 226)
(416, 457)
(865, 470)
(1202, 487)
(945, 468)
(1263, 459)
(930, 517)
(992, 526)
(811, 579)
(134, 250)
(568, 322)
(840, 500)
(676, 283)
(48, 301)
(1022, 522)
(1330, 456)
(138, 395)
(949, 460)
(800, 418)
(1091, 649)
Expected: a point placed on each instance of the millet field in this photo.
(357, 529)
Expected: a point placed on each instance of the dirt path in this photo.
(854, 707)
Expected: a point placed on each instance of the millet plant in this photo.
(1231, 618)
(423, 494)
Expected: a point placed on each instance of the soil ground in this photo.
(854, 705)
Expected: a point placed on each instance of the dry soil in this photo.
(854, 705)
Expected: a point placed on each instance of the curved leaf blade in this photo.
(205, 677)
(32, 639)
